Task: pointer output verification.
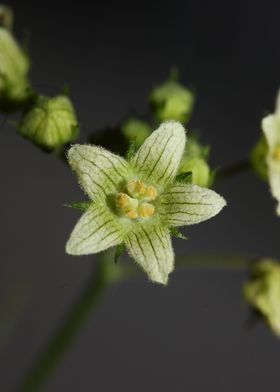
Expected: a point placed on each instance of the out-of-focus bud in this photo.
(135, 130)
(50, 122)
(258, 158)
(171, 101)
(195, 161)
(6, 17)
(262, 292)
(14, 66)
(200, 171)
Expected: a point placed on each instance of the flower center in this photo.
(135, 202)
(276, 153)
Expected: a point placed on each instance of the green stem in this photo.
(68, 330)
(218, 261)
(233, 170)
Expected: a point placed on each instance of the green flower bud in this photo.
(136, 130)
(258, 158)
(262, 292)
(171, 100)
(14, 66)
(199, 169)
(50, 122)
(6, 17)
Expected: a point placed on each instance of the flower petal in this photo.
(271, 130)
(151, 248)
(96, 230)
(100, 172)
(158, 158)
(183, 204)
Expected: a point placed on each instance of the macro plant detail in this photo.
(138, 201)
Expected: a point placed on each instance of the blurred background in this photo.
(194, 334)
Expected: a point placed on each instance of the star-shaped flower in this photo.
(271, 130)
(137, 202)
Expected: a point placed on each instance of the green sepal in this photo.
(131, 150)
(84, 205)
(176, 233)
(185, 178)
(119, 251)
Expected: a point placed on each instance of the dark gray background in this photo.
(192, 335)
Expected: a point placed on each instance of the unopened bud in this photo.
(50, 122)
(14, 66)
(135, 130)
(171, 101)
(262, 292)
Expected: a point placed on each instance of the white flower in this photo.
(137, 202)
(271, 129)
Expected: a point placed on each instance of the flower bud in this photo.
(14, 66)
(50, 122)
(136, 130)
(171, 101)
(6, 17)
(199, 169)
(262, 292)
(258, 158)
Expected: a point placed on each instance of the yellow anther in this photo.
(145, 210)
(276, 154)
(132, 213)
(136, 188)
(151, 192)
(122, 200)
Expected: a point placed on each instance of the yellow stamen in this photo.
(145, 210)
(132, 213)
(136, 188)
(122, 200)
(151, 192)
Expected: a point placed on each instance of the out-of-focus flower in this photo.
(171, 101)
(258, 158)
(271, 130)
(137, 202)
(136, 131)
(14, 66)
(262, 292)
(50, 122)
(6, 17)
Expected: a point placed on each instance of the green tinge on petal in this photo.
(183, 204)
(274, 181)
(271, 129)
(96, 231)
(151, 248)
(158, 158)
(99, 172)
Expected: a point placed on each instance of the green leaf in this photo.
(185, 178)
(84, 205)
(176, 233)
(131, 150)
(120, 248)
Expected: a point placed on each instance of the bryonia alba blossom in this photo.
(49, 122)
(262, 292)
(137, 202)
(271, 130)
